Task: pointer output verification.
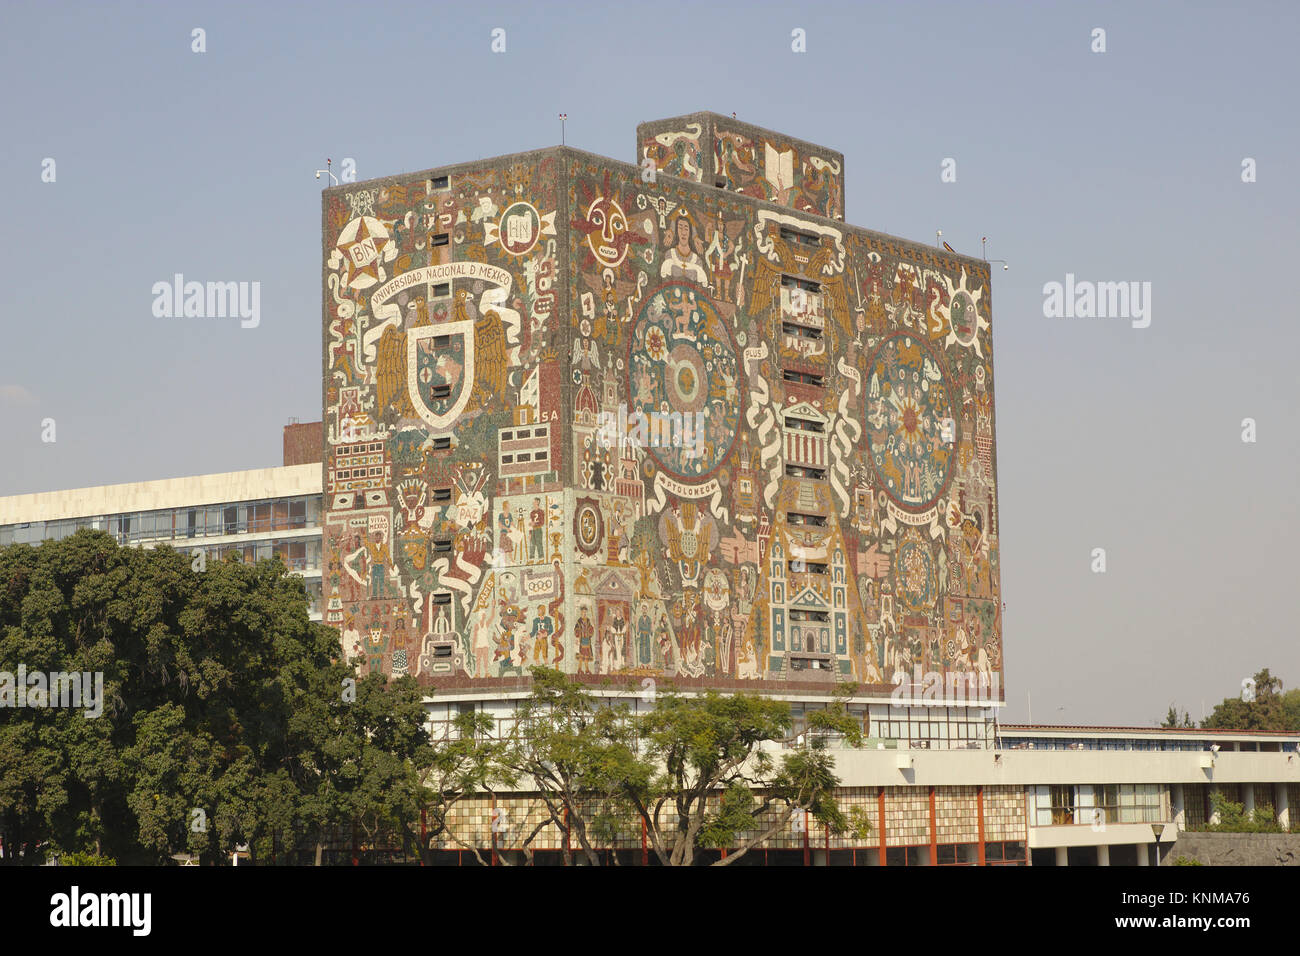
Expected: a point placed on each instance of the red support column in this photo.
(881, 819)
(934, 833)
(979, 809)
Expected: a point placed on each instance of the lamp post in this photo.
(1158, 829)
(328, 172)
(984, 252)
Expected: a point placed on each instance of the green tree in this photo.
(1267, 711)
(578, 754)
(1291, 711)
(219, 696)
(465, 761)
(715, 781)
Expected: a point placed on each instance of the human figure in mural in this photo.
(584, 630)
(643, 635)
(523, 646)
(378, 552)
(543, 628)
(505, 645)
(504, 546)
(683, 259)
(725, 642)
(972, 532)
(747, 659)
(351, 641)
(723, 245)
(616, 536)
(606, 650)
(746, 592)
(536, 529)
(481, 647)
(646, 386)
(618, 639)
(665, 641)
(938, 653)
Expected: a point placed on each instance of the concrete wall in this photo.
(1023, 768)
(1236, 849)
(196, 491)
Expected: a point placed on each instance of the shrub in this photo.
(86, 859)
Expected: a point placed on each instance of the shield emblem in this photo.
(440, 371)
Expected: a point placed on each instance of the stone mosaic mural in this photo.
(652, 429)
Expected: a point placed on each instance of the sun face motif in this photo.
(964, 319)
(607, 233)
(655, 344)
(909, 421)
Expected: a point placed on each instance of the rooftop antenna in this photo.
(564, 118)
(334, 179)
(983, 251)
(938, 237)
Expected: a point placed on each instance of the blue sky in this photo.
(1115, 166)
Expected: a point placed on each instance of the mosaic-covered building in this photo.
(668, 419)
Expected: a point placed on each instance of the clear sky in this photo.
(1117, 166)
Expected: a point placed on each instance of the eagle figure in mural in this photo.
(490, 360)
(767, 274)
(828, 267)
(390, 374)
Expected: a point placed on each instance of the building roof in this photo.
(1064, 730)
(194, 491)
(913, 246)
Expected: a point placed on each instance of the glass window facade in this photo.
(1097, 805)
(182, 527)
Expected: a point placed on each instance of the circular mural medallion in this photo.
(520, 228)
(908, 403)
(588, 526)
(684, 378)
